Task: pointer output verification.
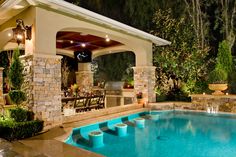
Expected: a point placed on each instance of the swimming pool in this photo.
(166, 134)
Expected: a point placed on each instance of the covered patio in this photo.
(60, 28)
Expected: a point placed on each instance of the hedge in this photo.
(11, 130)
(21, 115)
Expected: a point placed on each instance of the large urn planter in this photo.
(218, 88)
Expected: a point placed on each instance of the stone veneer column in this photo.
(43, 87)
(144, 81)
(1, 89)
(84, 77)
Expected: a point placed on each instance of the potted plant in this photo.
(139, 97)
(218, 81)
(70, 109)
(218, 78)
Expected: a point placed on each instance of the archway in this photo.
(42, 64)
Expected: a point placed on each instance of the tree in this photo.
(183, 63)
(16, 71)
(113, 67)
(199, 20)
(224, 57)
(16, 79)
(227, 16)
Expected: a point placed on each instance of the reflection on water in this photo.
(217, 128)
(175, 134)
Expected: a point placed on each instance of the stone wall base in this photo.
(43, 87)
(144, 81)
(215, 103)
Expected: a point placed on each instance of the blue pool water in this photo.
(166, 134)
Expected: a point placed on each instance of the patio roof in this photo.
(73, 41)
(10, 8)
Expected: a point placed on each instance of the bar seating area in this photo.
(77, 101)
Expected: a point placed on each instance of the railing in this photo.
(83, 103)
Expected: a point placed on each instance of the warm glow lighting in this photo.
(20, 37)
(83, 45)
(107, 39)
(9, 34)
(18, 6)
(71, 41)
(21, 31)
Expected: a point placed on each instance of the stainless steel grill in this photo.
(116, 95)
(114, 88)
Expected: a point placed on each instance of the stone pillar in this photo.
(84, 77)
(43, 87)
(1, 89)
(144, 81)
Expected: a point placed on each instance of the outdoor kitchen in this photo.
(116, 95)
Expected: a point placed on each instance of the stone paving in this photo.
(17, 149)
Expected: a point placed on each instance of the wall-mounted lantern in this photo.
(19, 32)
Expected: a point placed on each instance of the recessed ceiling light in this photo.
(107, 39)
(83, 45)
(71, 41)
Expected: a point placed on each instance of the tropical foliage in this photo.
(182, 64)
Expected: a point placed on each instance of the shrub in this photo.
(12, 130)
(224, 57)
(30, 115)
(18, 114)
(177, 95)
(16, 79)
(16, 71)
(17, 96)
(218, 75)
(223, 65)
